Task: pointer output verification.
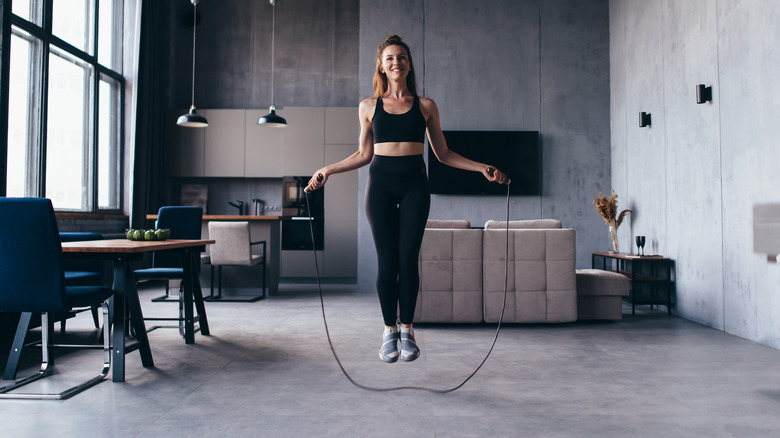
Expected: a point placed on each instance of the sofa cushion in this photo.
(541, 281)
(526, 224)
(450, 276)
(448, 223)
(596, 282)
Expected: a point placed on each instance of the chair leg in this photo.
(211, 291)
(18, 345)
(95, 317)
(264, 288)
(219, 271)
(45, 369)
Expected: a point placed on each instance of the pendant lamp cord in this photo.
(273, 45)
(194, 29)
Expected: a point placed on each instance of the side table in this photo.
(651, 278)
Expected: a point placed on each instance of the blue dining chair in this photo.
(32, 280)
(184, 223)
(83, 272)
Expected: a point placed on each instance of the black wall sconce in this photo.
(644, 120)
(703, 94)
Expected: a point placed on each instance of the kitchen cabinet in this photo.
(340, 248)
(341, 206)
(304, 140)
(224, 143)
(184, 147)
(234, 145)
(341, 126)
(341, 197)
(264, 148)
(301, 264)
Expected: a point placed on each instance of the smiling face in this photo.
(395, 62)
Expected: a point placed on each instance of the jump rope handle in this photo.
(319, 179)
(492, 171)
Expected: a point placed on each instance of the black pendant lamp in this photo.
(272, 119)
(193, 119)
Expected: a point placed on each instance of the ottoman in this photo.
(600, 294)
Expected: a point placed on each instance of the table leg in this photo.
(187, 286)
(273, 263)
(197, 293)
(125, 293)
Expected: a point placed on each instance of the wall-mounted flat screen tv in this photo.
(516, 153)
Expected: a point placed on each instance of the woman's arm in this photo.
(447, 156)
(360, 158)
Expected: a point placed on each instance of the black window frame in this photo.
(49, 40)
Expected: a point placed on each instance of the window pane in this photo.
(73, 22)
(30, 10)
(108, 35)
(22, 120)
(67, 157)
(108, 144)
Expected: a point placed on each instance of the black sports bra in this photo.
(409, 126)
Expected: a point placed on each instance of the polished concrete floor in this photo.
(267, 371)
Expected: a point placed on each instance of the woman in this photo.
(393, 124)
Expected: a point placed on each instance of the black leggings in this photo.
(397, 203)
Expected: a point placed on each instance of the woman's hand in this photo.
(317, 180)
(495, 175)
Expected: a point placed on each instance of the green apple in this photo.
(138, 235)
(149, 235)
(160, 235)
(129, 234)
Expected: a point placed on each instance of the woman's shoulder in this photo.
(427, 102)
(366, 108)
(369, 102)
(428, 107)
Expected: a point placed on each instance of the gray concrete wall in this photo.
(693, 176)
(493, 65)
(316, 54)
(509, 65)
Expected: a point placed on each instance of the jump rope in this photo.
(417, 388)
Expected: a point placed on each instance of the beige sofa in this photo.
(462, 272)
(450, 273)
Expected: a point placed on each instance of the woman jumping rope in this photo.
(393, 124)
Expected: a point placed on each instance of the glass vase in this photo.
(613, 234)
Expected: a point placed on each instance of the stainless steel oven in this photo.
(296, 233)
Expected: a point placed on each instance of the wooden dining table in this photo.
(122, 252)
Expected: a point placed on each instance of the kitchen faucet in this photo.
(239, 206)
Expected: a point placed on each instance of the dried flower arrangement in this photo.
(607, 209)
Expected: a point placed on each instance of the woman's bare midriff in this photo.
(399, 149)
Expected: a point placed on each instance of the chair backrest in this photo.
(31, 274)
(231, 245)
(184, 223)
(78, 264)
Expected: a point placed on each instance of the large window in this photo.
(65, 103)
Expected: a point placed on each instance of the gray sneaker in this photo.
(409, 349)
(389, 350)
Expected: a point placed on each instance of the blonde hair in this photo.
(380, 79)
